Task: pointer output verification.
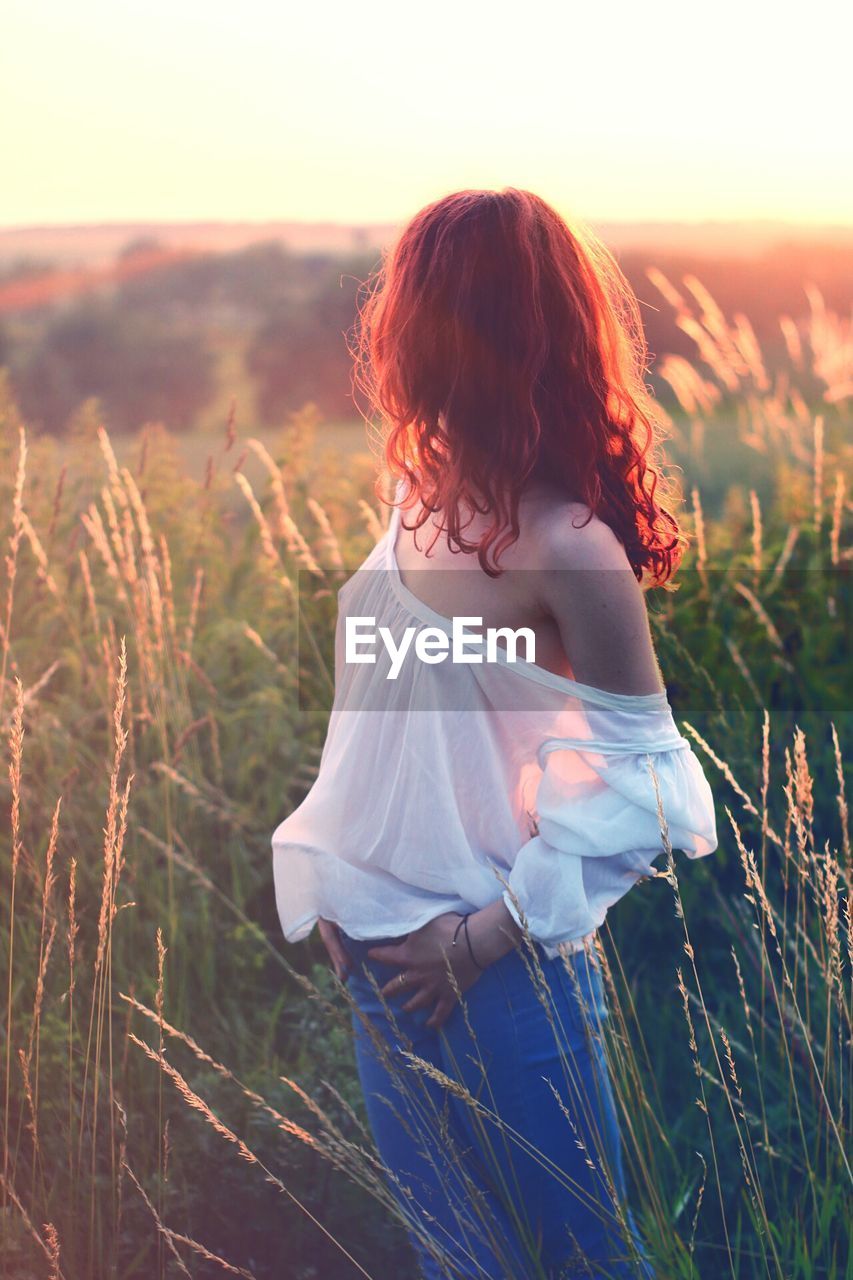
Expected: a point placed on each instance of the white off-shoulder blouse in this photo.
(448, 786)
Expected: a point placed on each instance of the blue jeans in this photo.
(512, 1187)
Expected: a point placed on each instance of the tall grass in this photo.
(179, 1090)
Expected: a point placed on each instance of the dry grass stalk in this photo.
(52, 1242)
(198, 1104)
(16, 745)
(153, 570)
(195, 600)
(121, 542)
(267, 540)
(32, 1123)
(93, 524)
(285, 524)
(842, 809)
(818, 472)
(724, 769)
(57, 501)
(709, 351)
(73, 929)
(251, 634)
(699, 520)
(160, 1225)
(786, 552)
(32, 692)
(371, 520)
(791, 334)
(114, 832)
(45, 1245)
(695, 394)
(288, 1126)
(176, 1237)
(837, 511)
(743, 336)
(168, 588)
(329, 540)
(214, 804)
(757, 532)
(666, 288)
(762, 615)
(43, 568)
(11, 559)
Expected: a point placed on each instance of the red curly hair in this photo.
(500, 346)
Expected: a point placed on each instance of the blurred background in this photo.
(192, 196)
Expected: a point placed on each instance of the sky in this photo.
(177, 110)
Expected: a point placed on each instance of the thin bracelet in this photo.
(458, 927)
(468, 940)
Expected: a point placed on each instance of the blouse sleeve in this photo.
(599, 831)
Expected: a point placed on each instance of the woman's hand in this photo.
(338, 954)
(421, 958)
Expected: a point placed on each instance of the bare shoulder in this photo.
(601, 617)
(568, 535)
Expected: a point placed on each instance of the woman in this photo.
(474, 819)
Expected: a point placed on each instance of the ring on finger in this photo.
(402, 979)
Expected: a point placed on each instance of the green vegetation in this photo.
(173, 335)
(179, 1085)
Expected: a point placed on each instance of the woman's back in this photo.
(439, 774)
(563, 566)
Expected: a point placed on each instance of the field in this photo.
(179, 1090)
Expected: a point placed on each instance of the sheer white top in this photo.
(455, 783)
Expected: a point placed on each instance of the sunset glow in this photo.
(363, 112)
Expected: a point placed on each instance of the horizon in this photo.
(372, 223)
(101, 245)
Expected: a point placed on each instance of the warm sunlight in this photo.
(364, 112)
(425, 509)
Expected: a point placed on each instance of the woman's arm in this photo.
(493, 932)
(588, 587)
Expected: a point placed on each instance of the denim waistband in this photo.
(361, 945)
(358, 947)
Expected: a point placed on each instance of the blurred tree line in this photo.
(147, 346)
